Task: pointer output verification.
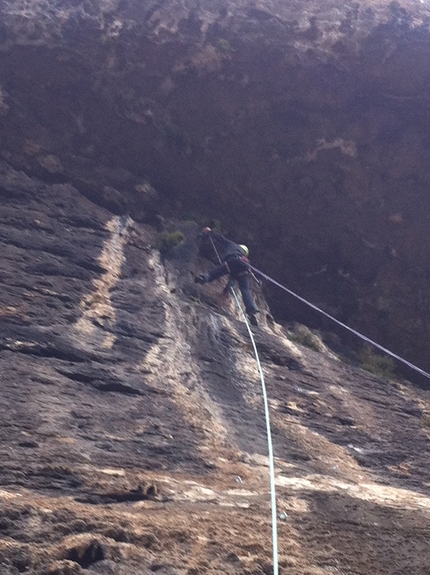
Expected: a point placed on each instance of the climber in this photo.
(235, 264)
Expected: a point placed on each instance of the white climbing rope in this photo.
(268, 429)
(269, 439)
(264, 391)
(350, 329)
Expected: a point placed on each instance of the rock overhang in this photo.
(303, 127)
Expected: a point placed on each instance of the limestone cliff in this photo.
(302, 125)
(132, 427)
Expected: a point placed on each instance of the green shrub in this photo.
(305, 337)
(192, 217)
(381, 365)
(169, 240)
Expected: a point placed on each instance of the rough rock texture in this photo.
(132, 428)
(133, 437)
(302, 125)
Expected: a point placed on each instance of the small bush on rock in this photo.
(169, 240)
(377, 364)
(306, 337)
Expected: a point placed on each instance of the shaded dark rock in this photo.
(343, 420)
(88, 555)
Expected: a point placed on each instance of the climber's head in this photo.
(244, 249)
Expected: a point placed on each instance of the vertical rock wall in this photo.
(303, 127)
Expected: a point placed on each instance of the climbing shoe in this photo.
(201, 279)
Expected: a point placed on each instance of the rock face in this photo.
(132, 429)
(132, 426)
(302, 126)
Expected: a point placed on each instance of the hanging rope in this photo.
(268, 429)
(264, 392)
(358, 334)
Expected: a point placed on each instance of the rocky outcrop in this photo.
(303, 127)
(132, 427)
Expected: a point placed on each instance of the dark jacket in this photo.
(230, 248)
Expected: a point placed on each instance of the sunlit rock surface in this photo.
(132, 427)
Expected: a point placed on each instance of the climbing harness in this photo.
(268, 429)
(350, 329)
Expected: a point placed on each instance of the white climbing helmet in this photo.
(245, 249)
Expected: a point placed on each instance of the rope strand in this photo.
(268, 428)
(269, 440)
(350, 329)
